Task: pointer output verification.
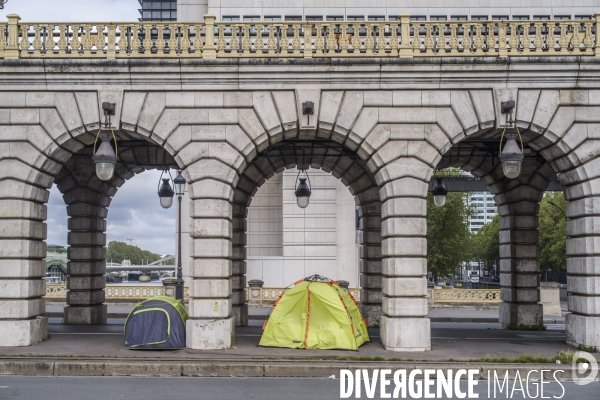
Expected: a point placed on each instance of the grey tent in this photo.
(156, 323)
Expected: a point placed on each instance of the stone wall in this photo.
(386, 139)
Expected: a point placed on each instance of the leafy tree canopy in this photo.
(119, 251)
(553, 235)
(448, 236)
(487, 243)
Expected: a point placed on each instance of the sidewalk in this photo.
(458, 341)
(86, 350)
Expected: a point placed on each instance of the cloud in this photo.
(72, 10)
(134, 212)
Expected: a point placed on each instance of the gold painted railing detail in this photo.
(56, 291)
(271, 294)
(140, 292)
(115, 292)
(209, 39)
(466, 296)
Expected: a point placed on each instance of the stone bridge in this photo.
(382, 124)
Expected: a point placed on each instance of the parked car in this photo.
(495, 279)
(563, 285)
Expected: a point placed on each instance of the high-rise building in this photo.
(158, 10)
(485, 209)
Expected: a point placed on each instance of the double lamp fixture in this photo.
(511, 156)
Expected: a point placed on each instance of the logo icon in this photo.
(582, 363)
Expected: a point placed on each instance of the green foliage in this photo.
(487, 243)
(448, 236)
(553, 235)
(565, 357)
(587, 349)
(119, 251)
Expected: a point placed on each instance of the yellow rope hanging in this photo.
(520, 138)
(114, 138)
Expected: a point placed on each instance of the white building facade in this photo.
(484, 208)
(383, 10)
(286, 243)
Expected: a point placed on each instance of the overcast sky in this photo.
(73, 10)
(135, 211)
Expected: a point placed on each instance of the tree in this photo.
(448, 236)
(119, 251)
(553, 234)
(487, 243)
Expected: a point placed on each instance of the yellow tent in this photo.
(315, 314)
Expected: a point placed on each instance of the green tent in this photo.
(315, 314)
(156, 323)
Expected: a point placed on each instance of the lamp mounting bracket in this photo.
(308, 109)
(109, 110)
(507, 106)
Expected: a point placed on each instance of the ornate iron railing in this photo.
(466, 296)
(211, 39)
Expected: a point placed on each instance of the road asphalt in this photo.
(150, 388)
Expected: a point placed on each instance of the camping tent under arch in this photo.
(315, 314)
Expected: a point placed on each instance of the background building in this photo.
(485, 209)
(377, 10)
(158, 10)
(285, 242)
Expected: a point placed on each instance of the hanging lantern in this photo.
(511, 156)
(439, 192)
(105, 158)
(165, 191)
(303, 190)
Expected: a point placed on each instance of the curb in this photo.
(254, 368)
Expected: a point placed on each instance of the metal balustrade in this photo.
(115, 292)
(268, 295)
(402, 38)
(466, 296)
(141, 292)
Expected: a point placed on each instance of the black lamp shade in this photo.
(105, 159)
(302, 193)
(439, 192)
(165, 194)
(511, 158)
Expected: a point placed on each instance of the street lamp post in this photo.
(179, 183)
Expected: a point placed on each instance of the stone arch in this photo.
(401, 135)
(401, 170)
(558, 125)
(330, 157)
(53, 134)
